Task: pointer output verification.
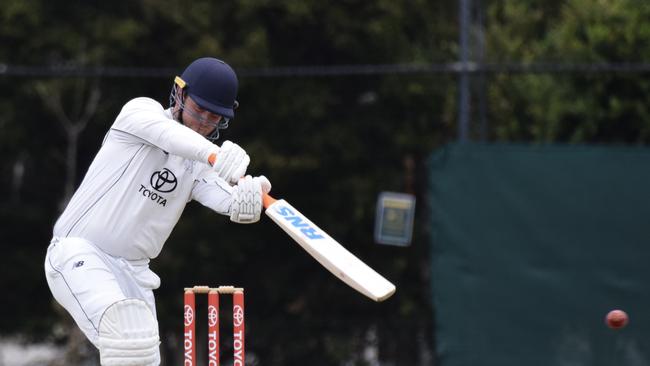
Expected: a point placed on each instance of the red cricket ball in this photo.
(617, 319)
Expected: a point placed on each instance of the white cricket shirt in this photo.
(147, 169)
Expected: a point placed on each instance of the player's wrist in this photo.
(212, 158)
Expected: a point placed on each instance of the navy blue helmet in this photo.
(212, 84)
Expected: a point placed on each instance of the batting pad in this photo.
(128, 335)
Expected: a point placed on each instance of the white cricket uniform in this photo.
(147, 169)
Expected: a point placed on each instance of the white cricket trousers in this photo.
(86, 281)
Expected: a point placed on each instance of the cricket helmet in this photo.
(212, 84)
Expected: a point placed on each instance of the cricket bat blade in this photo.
(327, 251)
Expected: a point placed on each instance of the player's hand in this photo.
(246, 205)
(232, 162)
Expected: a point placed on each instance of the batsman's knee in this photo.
(128, 335)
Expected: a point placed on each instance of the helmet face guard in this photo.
(212, 85)
(177, 98)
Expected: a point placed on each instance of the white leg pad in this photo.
(128, 335)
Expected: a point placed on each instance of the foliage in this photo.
(574, 108)
(328, 144)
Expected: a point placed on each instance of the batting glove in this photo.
(246, 206)
(232, 162)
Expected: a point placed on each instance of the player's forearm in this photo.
(213, 192)
(145, 119)
(179, 140)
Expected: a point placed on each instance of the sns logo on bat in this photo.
(298, 222)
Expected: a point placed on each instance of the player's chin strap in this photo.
(177, 97)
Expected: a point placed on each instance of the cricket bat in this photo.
(332, 255)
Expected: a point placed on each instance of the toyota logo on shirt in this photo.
(163, 181)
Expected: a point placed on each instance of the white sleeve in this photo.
(212, 191)
(146, 119)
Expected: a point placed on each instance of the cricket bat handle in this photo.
(267, 200)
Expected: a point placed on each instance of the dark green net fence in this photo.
(532, 246)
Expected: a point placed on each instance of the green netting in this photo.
(532, 246)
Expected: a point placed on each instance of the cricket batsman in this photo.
(152, 162)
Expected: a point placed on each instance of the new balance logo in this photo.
(78, 264)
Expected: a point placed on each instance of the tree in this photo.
(72, 124)
(576, 107)
(329, 144)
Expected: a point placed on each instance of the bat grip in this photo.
(267, 200)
